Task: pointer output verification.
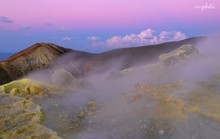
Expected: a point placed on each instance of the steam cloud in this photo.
(115, 116)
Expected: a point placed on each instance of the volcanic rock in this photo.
(38, 56)
(185, 52)
(62, 77)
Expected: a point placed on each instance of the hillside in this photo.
(38, 56)
(140, 55)
(44, 55)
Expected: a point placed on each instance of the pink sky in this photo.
(115, 22)
(105, 13)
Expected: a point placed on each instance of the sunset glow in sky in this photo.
(99, 25)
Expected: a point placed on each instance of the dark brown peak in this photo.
(34, 47)
(59, 48)
(23, 52)
(67, 50)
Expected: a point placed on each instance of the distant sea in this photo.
(5, 55)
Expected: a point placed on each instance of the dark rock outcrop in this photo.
(185, 52)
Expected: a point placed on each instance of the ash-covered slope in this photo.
(129, 57)
(142, 55)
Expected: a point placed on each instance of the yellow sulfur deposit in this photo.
(25, 87)
(169, 109)
(21, 118)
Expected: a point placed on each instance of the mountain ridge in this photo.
(33, 48)
(37, 56)
(44, 55)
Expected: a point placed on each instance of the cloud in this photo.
(93, 38)
(179, 36)
(145, 37)
(5, 19)
(171, 36)
(66, 38)
(146, 34)
(25, 27)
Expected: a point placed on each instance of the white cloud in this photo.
(93, 38)
(145, 37)
(154, 40)
(171, 36)
(148, 33)
(66, 38)
(114, 41)
(179, 36)
(163, 36)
